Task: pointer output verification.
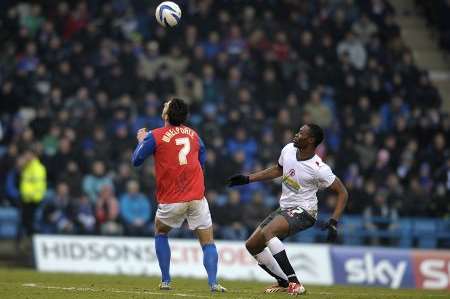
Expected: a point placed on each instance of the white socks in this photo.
(266, 258)
(275, 245)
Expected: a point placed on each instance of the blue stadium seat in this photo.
(352, 230)
(320, 236)
(9, 221)
(425, 231)
(306, 236)
(322, 217)
(404, 231)
(443, 232)
(9, 214)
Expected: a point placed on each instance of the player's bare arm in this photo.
(342, 196)
(270, 173)
(267, 174)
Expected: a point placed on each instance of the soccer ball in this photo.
(168, 14)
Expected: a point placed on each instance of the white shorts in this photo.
(196, 212)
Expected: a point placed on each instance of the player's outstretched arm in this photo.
(263, 175)
(145, 148)
(342, 196)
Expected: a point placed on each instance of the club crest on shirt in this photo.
(290, 182)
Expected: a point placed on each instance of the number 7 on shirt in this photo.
(184, 151)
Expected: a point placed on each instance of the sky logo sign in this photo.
(376, 267)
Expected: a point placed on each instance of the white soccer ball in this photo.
(168, 14)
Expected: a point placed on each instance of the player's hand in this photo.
(141, 133)
(238, 179)
(331, 226)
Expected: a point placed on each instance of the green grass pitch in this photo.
(29, 284)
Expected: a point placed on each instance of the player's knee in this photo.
(250, 246)
(205, 240)
(267, 233)
(161, 228)
(253, 247)
(160, 232)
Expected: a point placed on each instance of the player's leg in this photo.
(256, 246)
(272, 232)
(199, 220)
(163, 252)
(168, 216)
(286, 223)
(210, 256)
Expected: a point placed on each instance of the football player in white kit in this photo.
(303, 174)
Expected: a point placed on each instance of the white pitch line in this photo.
(33, 285)
(378, 294)
(85, 289)
(353, 294)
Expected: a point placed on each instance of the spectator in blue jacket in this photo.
(135, 210)
(84, 216)
(93, 182)
(11, 185)
(54, 214)
(241, 142)
(390, 111)
(150, 119)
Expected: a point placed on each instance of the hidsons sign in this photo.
(136, 256)
(97, 251)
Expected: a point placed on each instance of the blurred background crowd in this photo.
(436, 13)
(79, 78)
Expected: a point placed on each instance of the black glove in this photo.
(331, 226)
(238, 179)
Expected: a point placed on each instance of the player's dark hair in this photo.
(177, 112)
(317, 133)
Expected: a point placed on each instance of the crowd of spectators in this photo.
(436, 13)
(78, 78)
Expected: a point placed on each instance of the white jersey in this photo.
(302, 179)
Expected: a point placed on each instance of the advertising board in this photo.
(372, 266)
(432, 269)
(136, 256)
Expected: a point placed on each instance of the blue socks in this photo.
(210, 258)
(163, 254)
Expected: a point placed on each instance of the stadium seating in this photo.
(405, 231)
(9, 223)
(443, 233)
(423, 232)
(307, 236)
(353, 230)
